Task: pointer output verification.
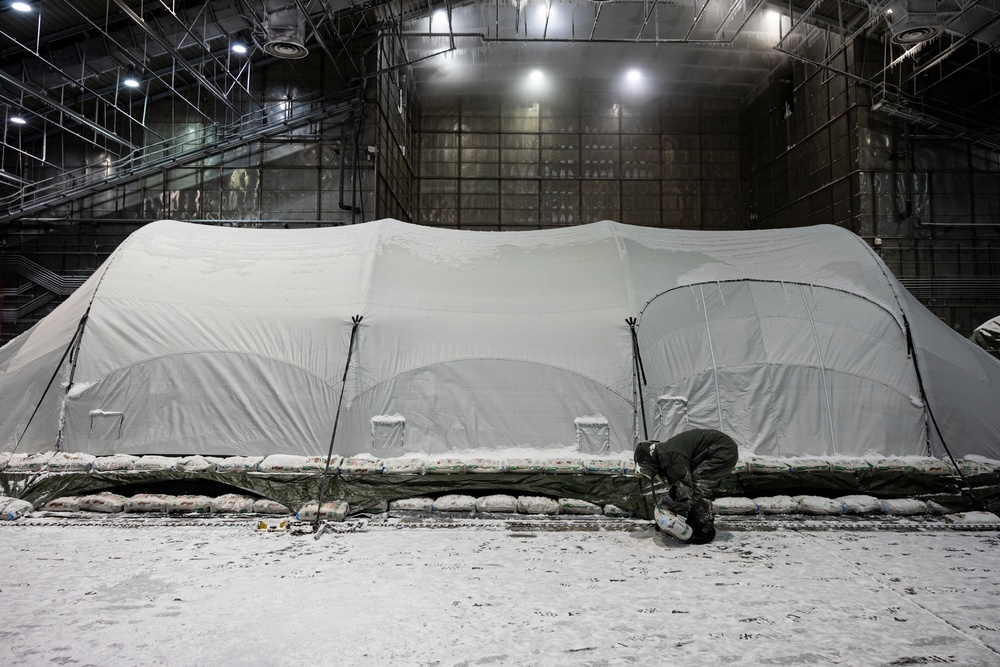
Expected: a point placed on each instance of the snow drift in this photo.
(217, 341)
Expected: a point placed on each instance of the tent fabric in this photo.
(224, 341)
(987, 336)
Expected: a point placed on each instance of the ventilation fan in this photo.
(915, 21)
(285, 28)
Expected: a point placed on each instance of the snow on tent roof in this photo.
(194, 339)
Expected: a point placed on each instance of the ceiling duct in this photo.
(915, 21)
(285, 29)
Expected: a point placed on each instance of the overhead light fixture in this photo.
(20, 6)
(239, 48)
(439, 21)
(633, 76)
(17, 119)
(131, 82)
(536, 76)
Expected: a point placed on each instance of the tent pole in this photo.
(356, 320)
(640, 373)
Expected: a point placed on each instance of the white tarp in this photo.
(221, 341)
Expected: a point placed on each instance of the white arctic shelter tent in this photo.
(210, 340)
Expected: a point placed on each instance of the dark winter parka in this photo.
(694, 463)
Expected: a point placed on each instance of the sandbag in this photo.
(891, 464)
(404, 466)
(297, 464)
(776, 504)
(64, 504)
(454, 502)
(29, 462)
(478, 465)
(237, 463)
(360, 465)
(70, 462)
(848, 464)
(767, 466)
(115, 462)
(335, 510)
(412, 504)
(806, 464)
(380, 507)
(147, 502)
(267, 506)
(598, 465)
(972, 518)
(12, 509)
(195, 463)
(232, 503)
(525, 465)
(537, 505)
(189, 504)
(4, 460)
(499, 503)
(153, 462)
(106, 503)
(860, 504)
(817, 505)
(444, 466)
(970, 467)
(904, 506)
(576, 506)
(734, 506)
(563, 465)
(929, 465)
(616, 512)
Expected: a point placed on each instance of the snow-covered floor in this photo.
(224, 594)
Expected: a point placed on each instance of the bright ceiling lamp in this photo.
(20, 6)
(18, 119)
(439, 21)
(131, 82)
(633, 76)
(238, 48)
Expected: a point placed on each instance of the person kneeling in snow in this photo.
(694, 463)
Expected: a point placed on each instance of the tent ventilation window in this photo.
(105, 425)
(593, 433)
(387, 432)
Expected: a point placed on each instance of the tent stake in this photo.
(356, 320)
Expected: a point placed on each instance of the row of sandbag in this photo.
(289, 463)
(820, 506)
(418, 465)
(111, 503)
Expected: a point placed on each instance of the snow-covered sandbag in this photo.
(499, 503)
(849, 464)
(148, 502)
(412, 504)
(335, 510)
(189, 504)
(525, 465)
(237, 463)
(891, 464)
(972, 518)
(404, 466)
(4, 460)
(360, 465)
(153, 462)
(70, 462)
(601, 465)
(537, 505)
(297, 464)
(12, 509)
(760, 465)
(115, 462)
(968, 467)
(807, 464)
(195, 463)
(232, 503)
(729, 505)
(992, 464)
(741, 467)
(563, 465)
(454, 502)
(444, 465)
(379, 507)
(29, 462)
(616, 512)
(818, 505)
(930, 466)
(478, 465)
(776, 504)
(904, 506)
(64, 504)
(106, 503)
(576, 506)
(860, 504)
(266, 506)
(937, 508)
